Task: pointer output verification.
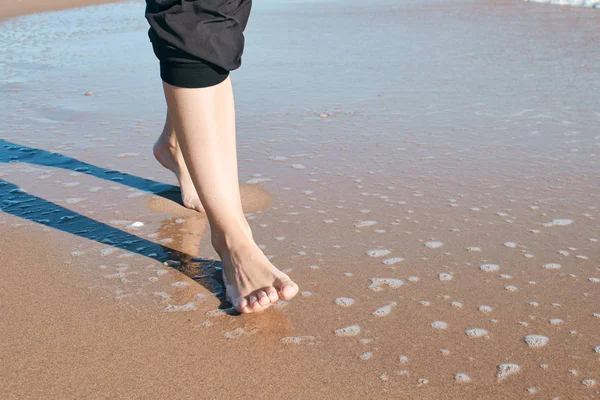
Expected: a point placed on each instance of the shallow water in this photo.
(417, 156)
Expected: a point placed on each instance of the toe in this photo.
(242, 306)
(287, 289)
(272, 293)
(253, 301)
(263, 299)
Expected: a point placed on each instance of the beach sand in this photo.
(432, 191)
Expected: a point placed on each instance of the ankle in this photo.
(234, 236)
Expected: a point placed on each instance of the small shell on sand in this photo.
(536, 340)
(351, 330)
(507, 369)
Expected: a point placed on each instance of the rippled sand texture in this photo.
(427, 173)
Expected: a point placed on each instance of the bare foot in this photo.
(252, 283)
(167, 152)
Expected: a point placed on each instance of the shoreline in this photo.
(17, 8)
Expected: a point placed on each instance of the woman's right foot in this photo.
(167, 153)
(252, 283)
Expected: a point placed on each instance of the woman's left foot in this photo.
(167, 153)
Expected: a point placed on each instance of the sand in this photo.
(474, 144)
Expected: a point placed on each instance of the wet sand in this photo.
(440, 217)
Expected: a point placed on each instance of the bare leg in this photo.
(168, 153)
(204, 122)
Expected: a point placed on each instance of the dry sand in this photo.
(432, 227)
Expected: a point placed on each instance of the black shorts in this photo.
(197, 41)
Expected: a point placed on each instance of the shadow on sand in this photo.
(17, 202)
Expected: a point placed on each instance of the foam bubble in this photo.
(551, 266)
(137, 224)
(477, 332)
(461, 377)
(237, 332)
(507, 369)
(254, 181)
(278, 158)
(74, 200)
(422, 381)
(384, 311)
(433, 245)
(558, 222)
(297, 340)
(392, 261)
(510, 245)
(439, 325)
(556, 321)
(588, 382)
(351, 330)
(511, 288)
(473, 249)
(344, 301)
(218, 312)
(489, 267)
(536, 340)
(485, 309)
(364, 224)
(378, 253)
(298, 166)
(366, 355)
(445, 276)
(563, 252)
(191, 306)
(377, 283)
